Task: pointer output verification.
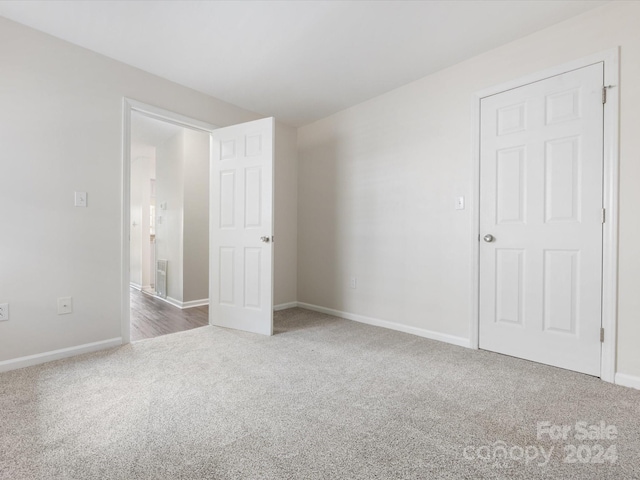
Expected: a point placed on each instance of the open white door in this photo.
(241, 227)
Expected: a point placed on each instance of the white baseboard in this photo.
(183, 305)
(135, 285)
(284, 306)
(627, 380)
(45, 357)
(195, 303)
(421, 332)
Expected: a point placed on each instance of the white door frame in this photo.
(129, 106)
(610, 199)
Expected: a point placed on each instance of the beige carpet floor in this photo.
(324, 398)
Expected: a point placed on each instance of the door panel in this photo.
(541, 200)
(509, 285)
(241, 287)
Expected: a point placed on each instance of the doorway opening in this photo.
(169, 236)
(233, 246)
(166, 205)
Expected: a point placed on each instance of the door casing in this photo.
(610, 198)
(128, 106)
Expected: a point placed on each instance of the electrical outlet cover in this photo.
(65, 305)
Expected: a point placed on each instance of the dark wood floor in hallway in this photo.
(151, 317)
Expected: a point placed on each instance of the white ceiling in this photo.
(296, 60)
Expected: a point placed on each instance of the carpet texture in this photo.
(324, 398)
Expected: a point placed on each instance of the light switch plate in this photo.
(80, 199)
(460, 203)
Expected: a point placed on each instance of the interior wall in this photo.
(141, 174)
(378, 185)
(285, 215)
(135, 254)
(71, 100)
(196, 216)
(148, 248)
(170, 188)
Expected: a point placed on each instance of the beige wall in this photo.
(170, 185)
(285, 215)
(196, 216)
(378, 183)
(142, 168)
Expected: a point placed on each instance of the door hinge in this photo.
(604, 215)
(601, 335)
(273, 239)
(604, 93)
(478, 237)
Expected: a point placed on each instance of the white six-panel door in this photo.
(241, 227)
(541, 162)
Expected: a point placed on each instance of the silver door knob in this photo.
(265, 239)
(488, 238)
